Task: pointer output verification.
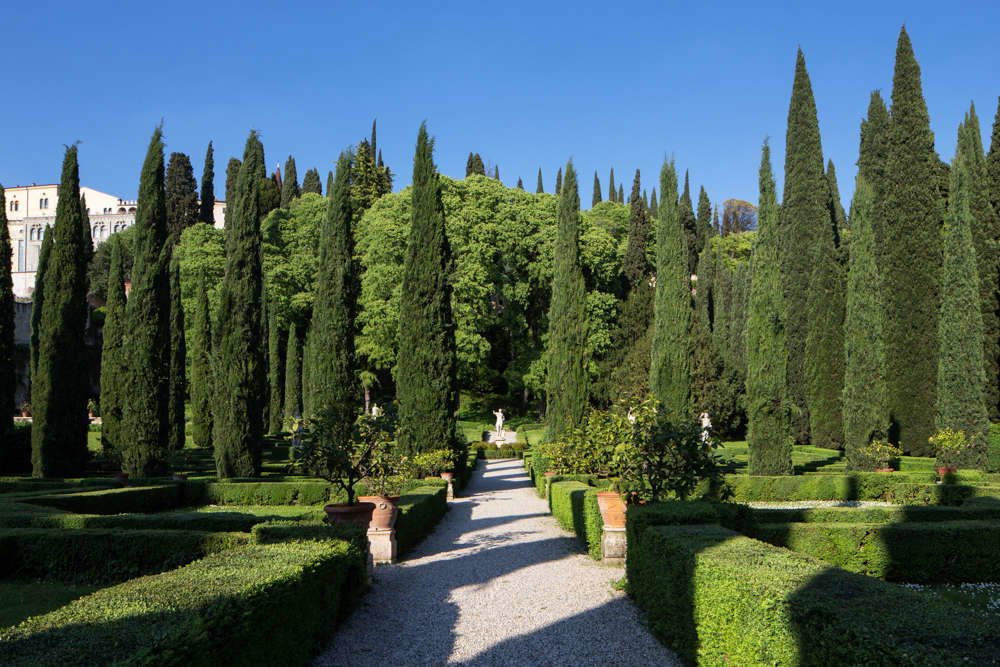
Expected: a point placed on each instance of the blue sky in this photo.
(525, 84)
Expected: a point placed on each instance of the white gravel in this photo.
(496, 583)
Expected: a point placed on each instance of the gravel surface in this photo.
(496, 583)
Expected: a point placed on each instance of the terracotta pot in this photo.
(612, 508)
(25, 413)
(885, 470)
(550, 474)
(944, 470)
(384, 516)
(347, 514)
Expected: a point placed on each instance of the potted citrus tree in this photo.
(949, 446)
(387, 473)
(879, 455)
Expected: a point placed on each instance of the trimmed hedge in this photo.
(116, 501)
(993, 449)
(574, 505)
(104, 556)
(263, 493)
(289, 531)
(271, 604)
(419, 511)
(716, 597)
(227, 521)
(911, 513)
(856, 486)
(486, 450)
(925, 553)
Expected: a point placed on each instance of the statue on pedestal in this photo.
(498, 427)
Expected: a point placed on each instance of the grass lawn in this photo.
(806, 458)
(22, 599)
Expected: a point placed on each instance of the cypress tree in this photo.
(612, 191)
(539, 189)
(824, 349)
(865, 411)
(911, 211)
(206, 207)
(145, 416)
(232, 171)
(177, 389)
(567, 383)
(275, 373)
(475, 166)
(238, 352)
(986, 236)
(293, 373)
(960, 378)
(669, 372)
(768, 405)
(311, 183)
(470, 165)
(496, 173)
(8, 372)
(374, 142)
(181, 196)
(559, 181)
(993, 164)
(425, 370)
(621, 194)
(114, 362)
(290, 184)
(635, 266)
(38, 298)
(705, 215)
(694, 238)
(596, 198)
(201, 370)
(60, 387)
(654, 207)
(333, 387)
(520, 183)
(834, 205)
(804, 217)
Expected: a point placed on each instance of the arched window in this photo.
(131, 209)
(121, 210)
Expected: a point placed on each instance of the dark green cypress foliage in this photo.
(311, 183)
(520, 183)
(114, 362)
(60, 387)
(469, 165)
(612, 191)
(961, 380)
(993, 164)
(334, 387)
(496, 173)
(374, 142)
(425, 370)
(654, 206)
(38, 298)
(238, 352)
(824, 349)
(275, 372)
(232, 171)
(567, 383)
(177, 391)
(635, 266)
(804, 216)
(865, 412)
(8, 373)
(911, 209)
(986, 236)
(293, 372)
(539, 189)
(269, 195)
(145, 416)
(474, 166)
(692, 234)
(705, 215)
(669, 372)
(834, 206)
(202, 391)
(768, 406)
(206, 207)
(872, 163)
(715, 222)
(596, 198)
(621, 194)
(559, 181)
(182, 196)
(368, 180)
(290, 183)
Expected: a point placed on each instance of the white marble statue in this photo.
(499, 425)
(377, 411)
(706, 426)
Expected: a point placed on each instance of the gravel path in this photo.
(496, 583)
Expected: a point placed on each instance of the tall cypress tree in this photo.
(177, 383)
(865, 412)
(206, 207)
(276, 334)
(804, 217)
(520, 183)
(496, 172)
(181, 195)
(692, 234)
(202, 391)
(961, 380)
(993, 164)
(596, 198)
(311, 183)
(238, 346)
(621, 194)
(60, 388)
(567, 384)
(539, 189)
(612, 191)
(654, 206)
(474, 166)
(114, 361)
(425, 370)
(768, 405)
(635, 266)
(669, 371)
(911, 211)
(290, 183)
(705, 215)
(834, 205)
(824, 348)
(559, 181)
(145, 416)
(8, 373)
(986, 236)
(293, 372)
(334, 387)
(232, 171)
(38, 298)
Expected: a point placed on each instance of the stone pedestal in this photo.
(451, 490)
(505, 438)
(382, 545)
(613, 545)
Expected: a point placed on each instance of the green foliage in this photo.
(114, 362)
(368, 180)
(474, 166)
(420, 509)
(952, 446)
(177, 385)
(834, 206)
(59, 378)
(289, 183)
(539, 189)
(238, 345)
(567, 383)
(993, 449)
(202, 370)
(910, 206)
(293, 373)
(115, 501)
(574, 505)
(876, 454)
(206, 211)
(596, 197)
(768, 406)
(669, 372)
(276, 342)
(559, 181)
(425, 370)
(181, 192)
(211, 611)
(311, 183)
